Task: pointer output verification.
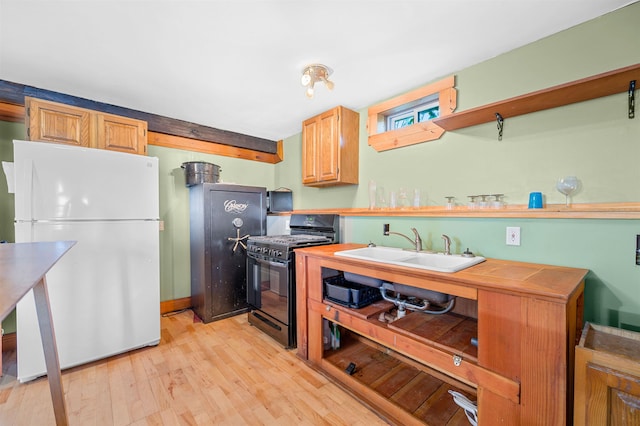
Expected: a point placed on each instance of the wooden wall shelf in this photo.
(605, 84)
(551, 211)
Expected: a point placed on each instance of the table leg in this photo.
(50, 351)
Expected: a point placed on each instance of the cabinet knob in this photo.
(328, 308)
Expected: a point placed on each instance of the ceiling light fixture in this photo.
(314, 73)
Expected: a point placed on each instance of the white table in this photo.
(23, 267)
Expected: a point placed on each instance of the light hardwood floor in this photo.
(222, 373)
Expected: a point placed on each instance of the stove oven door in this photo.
(270, 297)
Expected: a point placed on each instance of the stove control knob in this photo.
(278, 253)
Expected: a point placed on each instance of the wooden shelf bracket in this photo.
(632, 99)
(500, 121)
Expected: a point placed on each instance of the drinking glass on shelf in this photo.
(497, 203)
(416, 197)
(392, 200)
(567, 186)
(372, 194)
(472, 201)
(403, 198)
(450, 202)
(381, 197)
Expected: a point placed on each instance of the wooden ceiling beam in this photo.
(14, 93)
(11, 112)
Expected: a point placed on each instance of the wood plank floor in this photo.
(222, 373)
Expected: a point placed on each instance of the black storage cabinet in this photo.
(219, 215)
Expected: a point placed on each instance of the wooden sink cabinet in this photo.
(529, 317)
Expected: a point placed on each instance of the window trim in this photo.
(381, 139)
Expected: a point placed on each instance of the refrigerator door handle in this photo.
(24, 204)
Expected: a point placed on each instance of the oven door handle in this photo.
(273, 263)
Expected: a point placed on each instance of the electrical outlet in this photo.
(513, 235)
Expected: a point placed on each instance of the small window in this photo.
(408, 119)
(400, 121)
(424, 112)
(429, 114)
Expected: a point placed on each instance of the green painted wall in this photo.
(605, 247)
(8, 132)
(174, 210)
(593, 140)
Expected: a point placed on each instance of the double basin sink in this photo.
(438, 262)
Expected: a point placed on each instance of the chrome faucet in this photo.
(447, 244)
(417, 241)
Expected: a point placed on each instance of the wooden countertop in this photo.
(22, 266)
(554, 283)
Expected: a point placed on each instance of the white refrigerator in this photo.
(105, 293)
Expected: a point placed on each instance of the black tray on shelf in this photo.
(346, 293)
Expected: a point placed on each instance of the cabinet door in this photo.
(612, 397)
(53, 122)
(309, 151)
(327, 146)
(123, 134)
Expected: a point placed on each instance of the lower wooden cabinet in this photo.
(48, 121)
(607, 385)
(403, 390)
(508, 343)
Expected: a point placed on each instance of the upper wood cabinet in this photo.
(55, 122)
(330, 148)
(118, 133)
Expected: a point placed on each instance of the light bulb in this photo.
(306, 78)
(329, 84)
(309, 92)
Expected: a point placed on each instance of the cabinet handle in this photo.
(457, 360)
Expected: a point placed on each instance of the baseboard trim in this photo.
(175, 305)
(10, 341)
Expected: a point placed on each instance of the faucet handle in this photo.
(447, 244)
(418, 240)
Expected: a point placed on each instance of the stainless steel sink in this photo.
(423, 260)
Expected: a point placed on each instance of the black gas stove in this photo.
(271, 284)
(280, 246)
(306, 230)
